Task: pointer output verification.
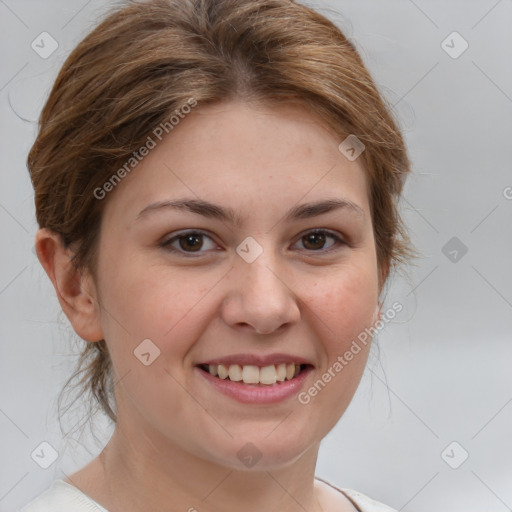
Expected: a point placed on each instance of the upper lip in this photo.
(257, 360)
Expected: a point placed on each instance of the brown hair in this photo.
(146, 59)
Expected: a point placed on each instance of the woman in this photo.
(216, 186)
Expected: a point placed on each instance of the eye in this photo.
(189, 242)
(193, 241)
(315, 240)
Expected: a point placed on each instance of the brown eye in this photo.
(193, 242)
(187, 243)
(316, 240)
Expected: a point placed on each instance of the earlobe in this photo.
(75, 290)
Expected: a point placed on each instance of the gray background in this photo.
(442, 373)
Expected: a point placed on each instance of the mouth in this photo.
(252, 375)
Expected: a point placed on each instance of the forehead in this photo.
(233, 153)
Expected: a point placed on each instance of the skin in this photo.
(176, 438)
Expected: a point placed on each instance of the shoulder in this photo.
(361, 501)
(62, 497)
(365, 503)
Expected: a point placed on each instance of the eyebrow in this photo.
(211, 210)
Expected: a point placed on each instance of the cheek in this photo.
(164, 305)
(345, 304)
(342, 309)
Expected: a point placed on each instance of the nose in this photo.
(259, 297)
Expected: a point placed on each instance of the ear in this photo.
(75, 290)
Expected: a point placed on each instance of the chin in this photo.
(262, 451)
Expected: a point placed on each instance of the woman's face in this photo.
(257, 289)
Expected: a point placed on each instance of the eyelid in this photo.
(166, 243)
(339, 240)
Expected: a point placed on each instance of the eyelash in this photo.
(166, 244)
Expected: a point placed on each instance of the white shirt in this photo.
(63, 497)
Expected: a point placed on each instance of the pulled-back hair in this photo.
(146, 60)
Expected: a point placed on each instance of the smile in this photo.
(252, 374)
(255, 384)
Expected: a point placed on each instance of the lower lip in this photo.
(257, 393)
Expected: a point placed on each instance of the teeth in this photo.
(281, 372)
(268, 375)
(235, 372)
(223, 371)
(251, 374)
